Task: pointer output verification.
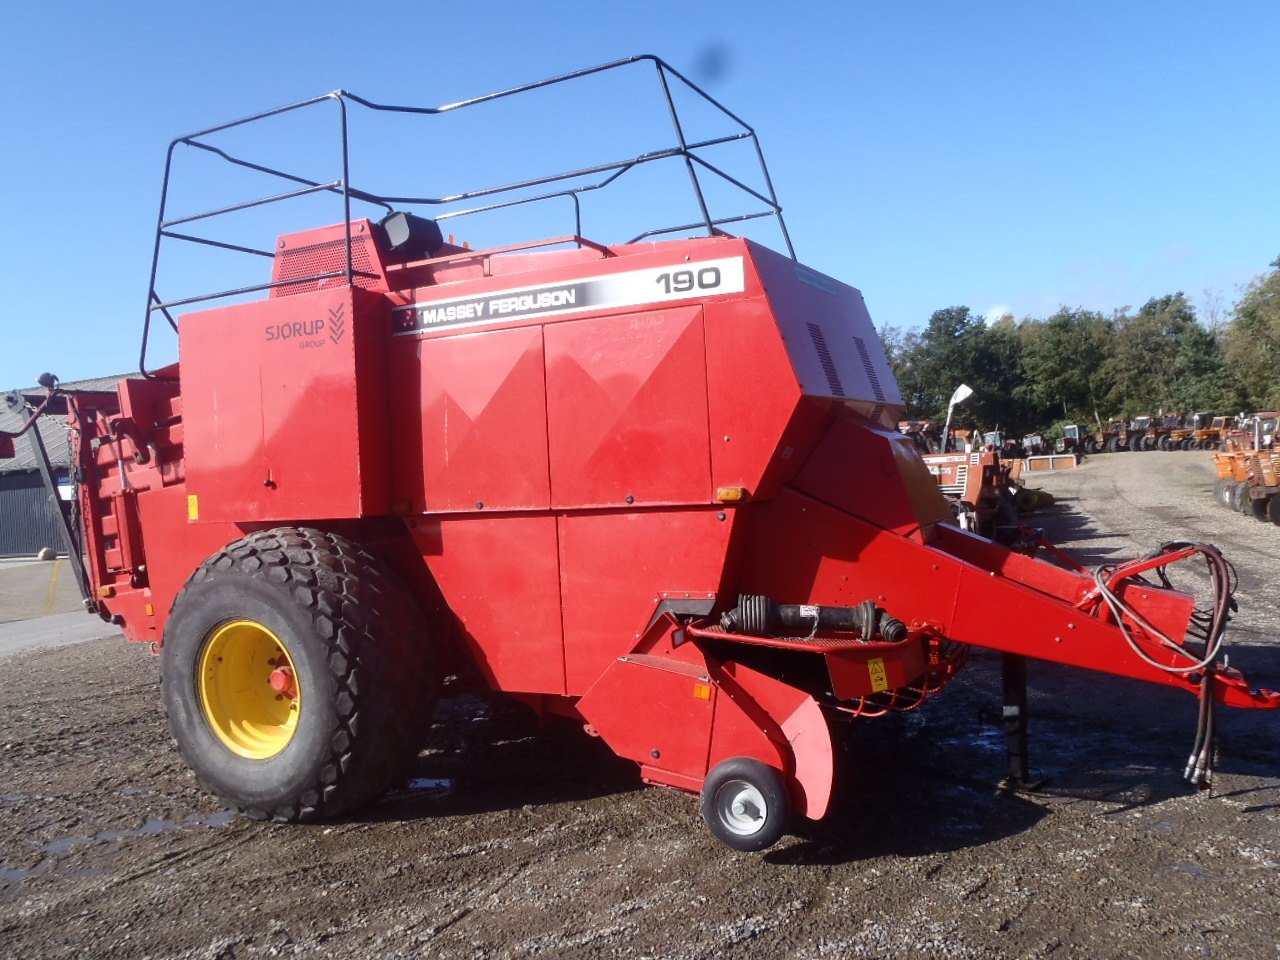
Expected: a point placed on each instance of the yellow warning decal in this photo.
(879, 681)
(193, 507)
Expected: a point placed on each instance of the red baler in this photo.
(654, 486)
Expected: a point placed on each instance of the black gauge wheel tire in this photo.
(745, 804)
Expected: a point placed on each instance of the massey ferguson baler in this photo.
(655, 487)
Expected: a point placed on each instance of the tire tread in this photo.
(384, 680)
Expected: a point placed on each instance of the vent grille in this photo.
(869, 368)
(326, 257)
(958, 488)
(824, 357)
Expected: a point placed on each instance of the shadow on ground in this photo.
(1065, 523)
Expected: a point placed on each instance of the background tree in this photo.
(1065, 359)
(1204, 382)
(1084, 366)
(957, 347)
(1252, 341)
(1145, 352)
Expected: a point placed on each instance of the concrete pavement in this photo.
(40, 606)
(56, 630)
(37, 588)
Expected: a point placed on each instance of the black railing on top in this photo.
(607, 173)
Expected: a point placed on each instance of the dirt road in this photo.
(509, 844)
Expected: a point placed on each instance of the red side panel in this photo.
(470, 420)
(285, 408)
(875, 474)
(627, 410)
(752, 396)
(615, 568)
(175, 547)
(500, 577)
(657, 711)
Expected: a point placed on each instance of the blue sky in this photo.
(1001, 155)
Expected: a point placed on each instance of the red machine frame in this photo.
(584, 464)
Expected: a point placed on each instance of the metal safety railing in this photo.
(565, 185)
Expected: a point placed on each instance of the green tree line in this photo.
(1086, 366)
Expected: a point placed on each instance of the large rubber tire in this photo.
(1148, 443)
(1112, 445)
(1218, 490)
(364, 671)
(1228, 493)
(1165, 442)
(1090, 446)
(1240, 497)
(1259, 508)
(745, 804)
(1273, 509)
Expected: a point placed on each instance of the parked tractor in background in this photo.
(1076, 439)
(1140, 433)
(979, 477)
(653, 488)
(925, 434)
(1007, 447)
(1172, 432)
(1114, 436)
(1248, 468)
(1205, 432)
(1033, 445)
(1219, 429)
(979, 487)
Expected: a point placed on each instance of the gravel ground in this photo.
(511, 844)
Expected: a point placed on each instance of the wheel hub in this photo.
(742, 808)
(249, 689)
(283, 681)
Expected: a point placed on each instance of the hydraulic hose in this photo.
(1211, 629)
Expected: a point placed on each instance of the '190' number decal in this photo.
(686, 281)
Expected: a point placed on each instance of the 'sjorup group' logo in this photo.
(309, 334)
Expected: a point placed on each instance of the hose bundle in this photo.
(1208, 625)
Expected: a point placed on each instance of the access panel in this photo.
(627, 410)
(285, 410)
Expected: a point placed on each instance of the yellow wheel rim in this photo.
(249, 689)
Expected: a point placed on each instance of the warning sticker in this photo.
(879, 680)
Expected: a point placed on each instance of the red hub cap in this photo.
(283, 682)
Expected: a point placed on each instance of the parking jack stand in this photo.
(1014, 686)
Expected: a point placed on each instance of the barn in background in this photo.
(28, 516)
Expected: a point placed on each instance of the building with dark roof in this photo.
(28, 518)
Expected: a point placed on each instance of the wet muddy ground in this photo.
(511, 843)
